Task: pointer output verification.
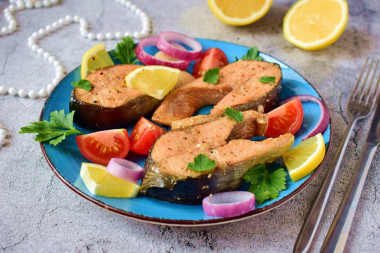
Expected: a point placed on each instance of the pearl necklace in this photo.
(16, 5)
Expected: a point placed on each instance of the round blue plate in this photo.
(66, 159)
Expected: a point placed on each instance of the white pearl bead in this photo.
(99, 36)
(127, 34)
(51, 59)
(12, 7)
(42, 93)
(32, 94)
(68, 19)
(132, 8)
(12, 91)
(118, 35)
(127, 4)
(109, 36)
(54, 25)
(46, 3)
(35, 35)
(5, 30)
(136, 35)
(46, 55)
(40, 51)
(55, 81)
(76, 19)
(42, 32)
(29, 5)
(49, 88)
(22, 93)
(20, 6)
(48, 29)
(61, 21)
(91, 36)
(56, 64)
(3, 132)
(82, 32)
(34, 47)
(3, 90)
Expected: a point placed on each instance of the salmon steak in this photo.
(110, 103)
(166, 173)
(238, 87)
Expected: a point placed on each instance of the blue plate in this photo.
(66, 159)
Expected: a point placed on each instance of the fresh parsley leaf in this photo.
(55, 130)
(83, 84)
(265, 184)
(252, 54)
(211, 76)
(267, 79)
(125, 51)
(201, 163)
(234, 114)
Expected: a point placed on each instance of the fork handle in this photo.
(340, 228)
(313, 219)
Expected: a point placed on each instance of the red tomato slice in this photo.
(286, 118)
(143, 135)
(100, 147)
(211, 58)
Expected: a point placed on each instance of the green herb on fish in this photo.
(234, 114)
(267, 79)
(211, 76)
(82, 84)
(125, 51)
(201, 163)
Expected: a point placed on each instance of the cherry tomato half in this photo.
(211, 58)
(286, 118)
(100, 147)
(143, 135)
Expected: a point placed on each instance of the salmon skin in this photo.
(232, 161)
(110, 103)
(238, 87)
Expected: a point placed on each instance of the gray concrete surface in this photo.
(38, 213)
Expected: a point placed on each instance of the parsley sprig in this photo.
(55, 130)
(267, 79)
(83, 84)
(234, 114)
(211, 76)
(125, 51)
(252, 54)
(201, 163)
(265, 184)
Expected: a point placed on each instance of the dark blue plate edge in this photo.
(172, 222)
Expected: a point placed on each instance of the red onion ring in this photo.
(125, 169)
(148, 59)
(228, 204)
(323, 120)
(164, 44)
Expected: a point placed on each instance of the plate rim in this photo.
(192, 223)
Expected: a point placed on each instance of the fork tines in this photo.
(371, 89)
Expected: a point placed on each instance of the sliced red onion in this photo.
(228, 204)
(164, 44)
(148, 59)
(323, 120)
(125, 169)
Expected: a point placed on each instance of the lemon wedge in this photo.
(95, 58)
(154, 80)
(99, 182)
(315, 24)
(305, 157)
(238, 13)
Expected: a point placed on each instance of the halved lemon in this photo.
(99, 182)
(242, 12)
(315, 24)
(95, 58)
(305, 157)
(154, 80)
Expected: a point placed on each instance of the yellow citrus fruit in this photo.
(154, 80)
(99, 182)
(242, 12)
(315, 24)
(95, 58)
(305, 157)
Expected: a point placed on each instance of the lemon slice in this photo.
(315, 24)
(305, 157)
(154, 80)
(95, 58)
(99, 182)
(242, 12)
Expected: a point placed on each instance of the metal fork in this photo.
(359, 107)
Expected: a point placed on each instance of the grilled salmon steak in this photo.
(238, 87)
(110, 103)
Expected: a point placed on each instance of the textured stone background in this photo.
(40, 214)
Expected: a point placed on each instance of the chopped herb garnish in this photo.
(201, 163)
(267, 79)
(83, 84)
(234, 114)
(55, 130)
(211, 76)
(125, 51)
(252, 54)
(265, 184)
